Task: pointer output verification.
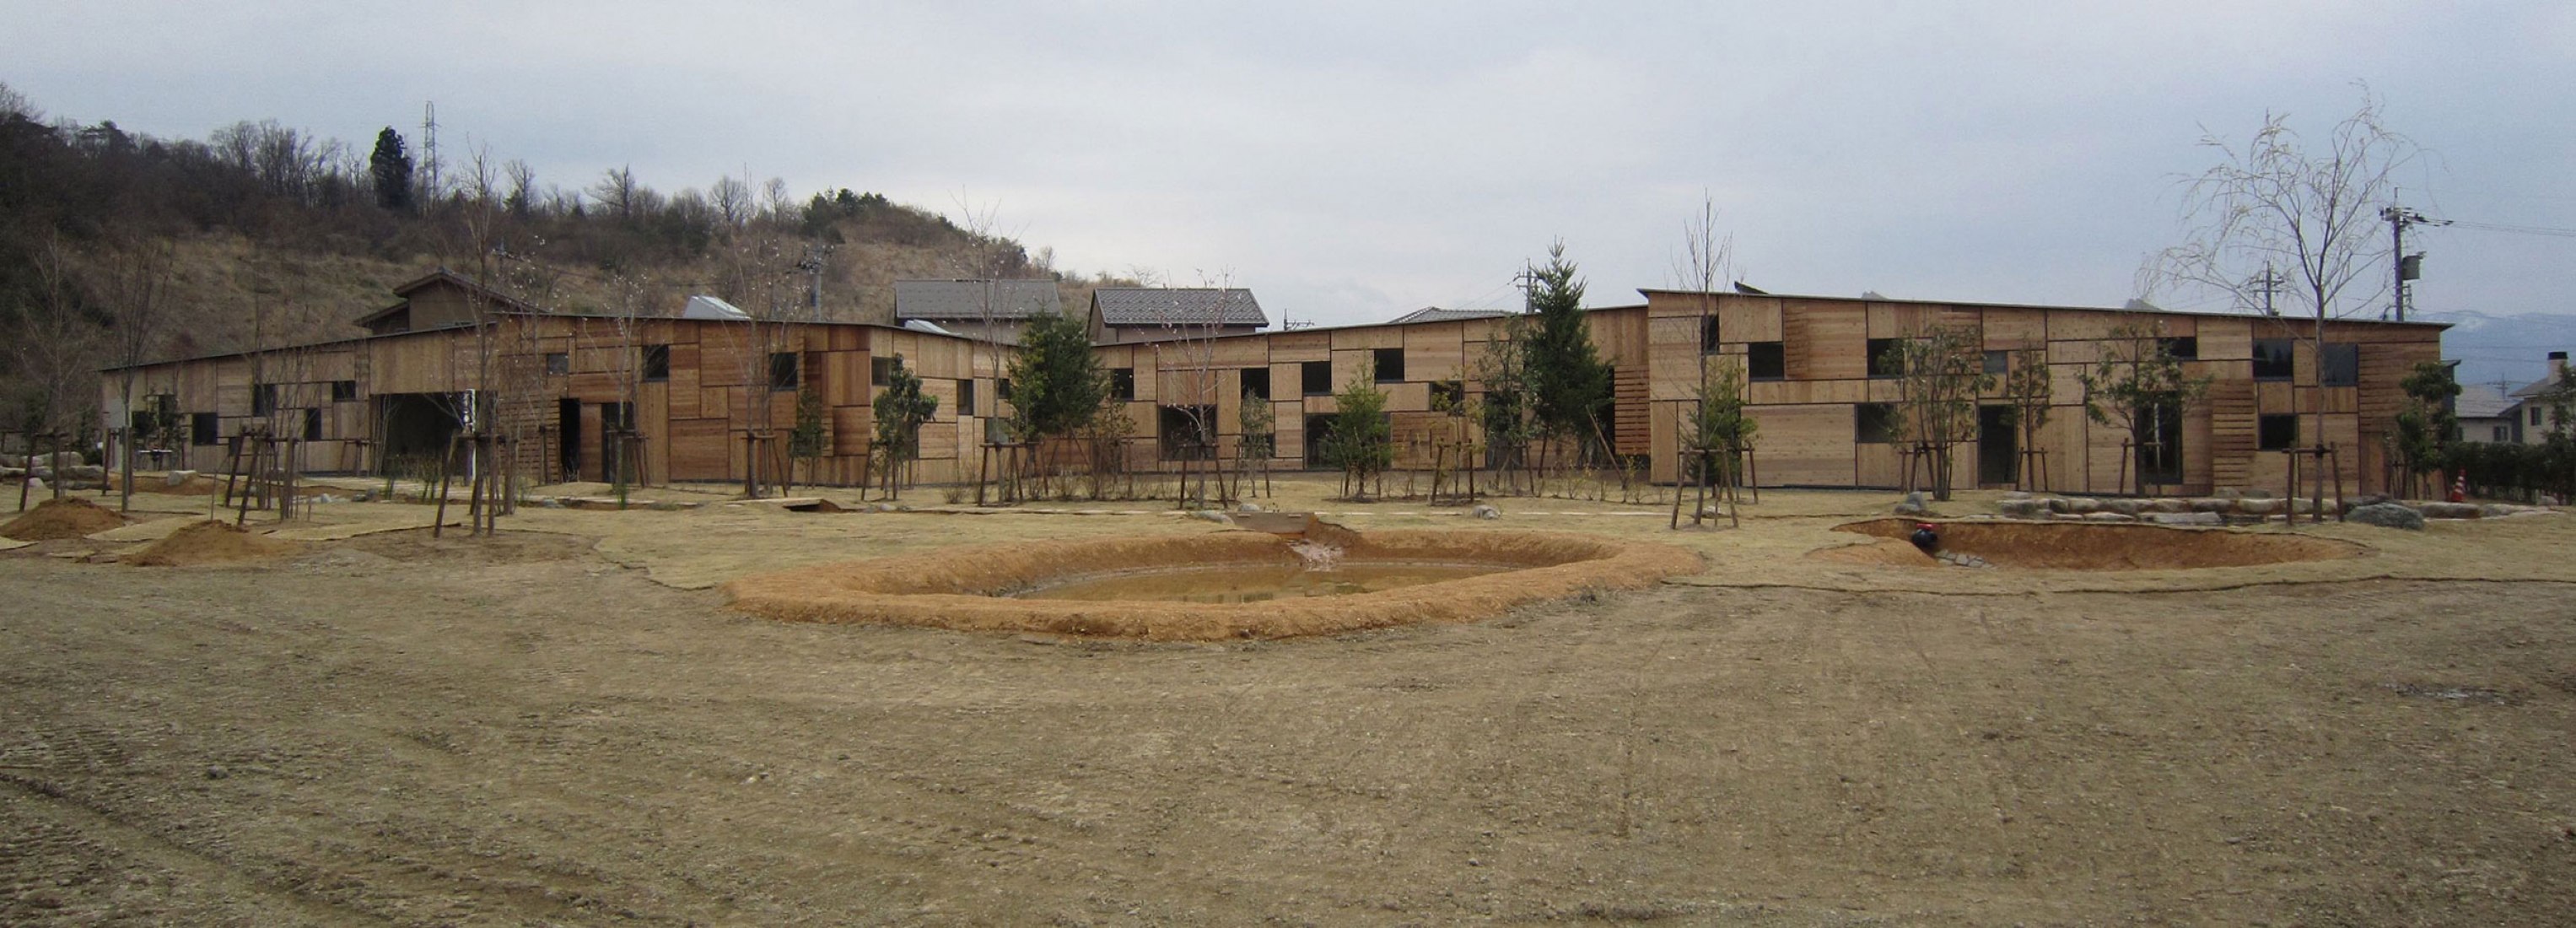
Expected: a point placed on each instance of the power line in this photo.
(2514, 229)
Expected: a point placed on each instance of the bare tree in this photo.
(2279, 203)
(57, 351)
(133, 278)
(1940, 374)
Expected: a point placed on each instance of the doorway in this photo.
(1998, 446)
(568, 437)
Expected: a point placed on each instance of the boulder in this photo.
(2185, 518)
(2074, 506)
(2109, 517)
(2126, 507)
(2259, 506)
(2212, 505)
(2452, 511)
(2023, 508)
(1210, 515)
(177, 478)
(2168, 504)
(1487, 511)
(2388, 515)
(1913, 505)
(1247, 507)
(84, 472)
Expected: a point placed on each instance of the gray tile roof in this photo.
(2480, 402)
(1437, 314)
(1132, 306)
(964, 299)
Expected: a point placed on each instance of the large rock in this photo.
(2258, 506)
(2126, 507)
(178, 478)
(2388, 515)
(1913, 505)
(2212, 505)
(84, 472)
(2185, 518)
(2452, 511)
(2023, 508)
(1487, 511)
(2074, 506)
(2110, 517)
(2168, 504)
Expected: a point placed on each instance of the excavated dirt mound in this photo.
(68, 517)
(209, 542)
(2056, 546)
(962, 588)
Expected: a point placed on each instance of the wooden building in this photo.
(695, 388)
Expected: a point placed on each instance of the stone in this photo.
(2493, 510)
(36, 485)
(2257, 493)
(2388, 515)
(1487, 511)
(2212, 505)
(2168, 504)
(177, 478)
(2186, 518)
(1913, 505)
(551, 503)
(2023, 508)
(12, 473)
(2451, 511)
(1248, 507)
(2075, 506)
(2109, 517)
(84, 472)
(1211, 515)
(2259, 506)
(2126, 507)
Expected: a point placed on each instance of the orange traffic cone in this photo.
(2460, 489)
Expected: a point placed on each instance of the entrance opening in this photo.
(1998, 446)
(1319, 436)
(615, 421)
(568, 436)
(418, 428)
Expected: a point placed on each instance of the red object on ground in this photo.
(2460, 489)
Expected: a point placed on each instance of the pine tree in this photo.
(1569, 384)
(391, 166)
(1056, 382)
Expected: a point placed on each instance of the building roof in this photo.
(1177, 306)
(964, 299)
(442, 275)
(2132, 306)
(2481, 402)
(703, 306)
(1437, 314)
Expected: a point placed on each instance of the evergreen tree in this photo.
(1569, 384)
(391, 166)
(1056, 382)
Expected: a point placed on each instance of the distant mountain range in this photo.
(2512, 349)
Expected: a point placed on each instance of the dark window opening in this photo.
(1122, 383)
(881, 370)
(1318, 437)
(263, 399)
(2276, 431)
(2535, 415)
(1708, 334)
(1187, 433)
(965, 398)
(1256, 382)
(1390, 365)
(558, 363)
(313, 424)
(2182, 347)
(1874, 423)
(344, 391)
(2342, 365)
(783, 372)
(1002, 389)
(2160, 446)
(1766, 361)
(1998, 362)
(1886, 357)
(657, 362)
(204, 429)
(1449, 396)
(2272, 359)
(1315, 378)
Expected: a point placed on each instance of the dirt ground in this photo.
(563, 725)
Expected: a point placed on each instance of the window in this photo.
(1002, 389)
(313, 424)
(1766, 361)
(2276, 431)
(657, 362)
(1708, 334)
(1122, 383)
(1256, 382)
(965, 397)
(1886, 357)
(2160, 447)
(2272, 359)
(1315, 378)
(782, 372)
(1187, 433)
(204, 429)
(2342, 365)
(344, 391)
(2504, 433)
(156, 420)
(263, 399)
(558, 363)
(1874, 423)
(2535, 415)
(881, 370)
(1449, 396)
(1998, 362)
(1390, 365)
(2181, 347)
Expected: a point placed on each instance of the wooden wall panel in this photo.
(1804, 445)
(2014, 328)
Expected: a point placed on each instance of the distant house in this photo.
(2485, 414)
(1145, 314)
(993, 310)
(2531, 416)
(439, 299)
(1437, 314)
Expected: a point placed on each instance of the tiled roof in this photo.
(964, 299)
(1437, 314)
(2480, 402)
(1178, 306)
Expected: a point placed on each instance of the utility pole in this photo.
(2405, 267)
(2270, 283)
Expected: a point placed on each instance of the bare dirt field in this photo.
(564, 725)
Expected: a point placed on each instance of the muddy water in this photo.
(1247, 583)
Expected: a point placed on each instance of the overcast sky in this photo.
(1353, 161)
